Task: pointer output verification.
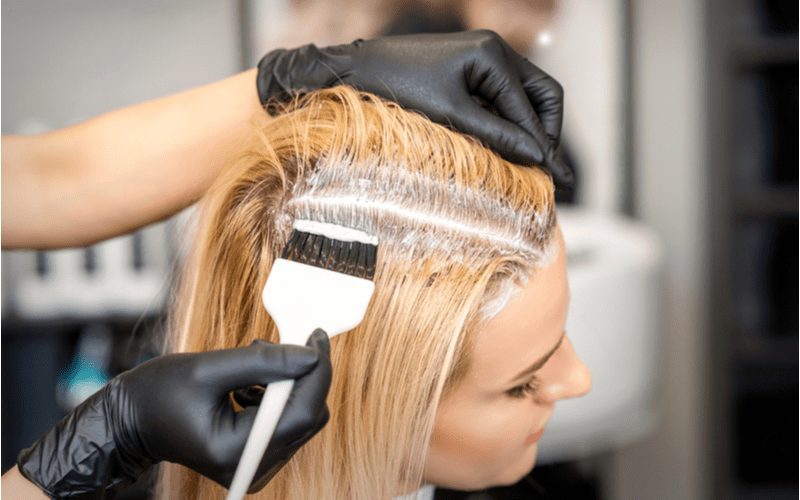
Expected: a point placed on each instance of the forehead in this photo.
(527, 328)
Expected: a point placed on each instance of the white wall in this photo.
(585, 56)
(670, 154)
(65, 61)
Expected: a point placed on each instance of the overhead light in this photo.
(544, 38)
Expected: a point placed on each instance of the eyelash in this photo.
(527, 389)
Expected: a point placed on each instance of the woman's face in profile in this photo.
(488, 425)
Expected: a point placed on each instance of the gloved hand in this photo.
(177, 408)
(445, 76)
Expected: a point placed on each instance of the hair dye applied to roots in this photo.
(459, 230)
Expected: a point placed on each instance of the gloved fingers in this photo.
(302, 428)
(522, 94)
(308, 395)
(278, 454)
(320, 342)
(252, 395)
(322, 420)
(308, 399)
(511, 101)
(563, 176)
(269, 465)
(546, 95)
(305, 415)
(259, 363)
(494, 77)
(508, 139)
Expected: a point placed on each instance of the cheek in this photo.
(475, 446)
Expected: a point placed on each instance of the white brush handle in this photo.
(299, 298)
(267, 417)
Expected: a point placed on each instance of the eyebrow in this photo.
(541, 361)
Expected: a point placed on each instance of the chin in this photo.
(507, 476)
(523, 467)
(512, 474)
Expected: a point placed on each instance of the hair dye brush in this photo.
(323, 279)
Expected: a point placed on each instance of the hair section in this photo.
(458, 228)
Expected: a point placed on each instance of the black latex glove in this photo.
(445, 76)
(177, 408)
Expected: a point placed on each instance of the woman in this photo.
(452, 375)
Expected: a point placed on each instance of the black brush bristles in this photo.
(349, 257)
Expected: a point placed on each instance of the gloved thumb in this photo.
(252, 395)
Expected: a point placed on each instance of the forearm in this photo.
(124, 169)
(16, 486)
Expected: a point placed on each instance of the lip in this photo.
(535, 437)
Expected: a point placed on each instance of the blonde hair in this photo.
(458, 227)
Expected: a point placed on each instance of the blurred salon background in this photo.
(681, 122)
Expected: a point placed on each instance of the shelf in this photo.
(16, 326)
(765, 51)
(766, 202)
(767, 380)
(745, 491)
(763, 350)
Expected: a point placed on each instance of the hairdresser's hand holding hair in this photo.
(177, 408)
(448, 77)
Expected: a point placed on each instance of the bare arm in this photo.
(16, 486)
(124, 169)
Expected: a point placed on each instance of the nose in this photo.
(566, 376)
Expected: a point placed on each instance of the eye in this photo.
(527, 389)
